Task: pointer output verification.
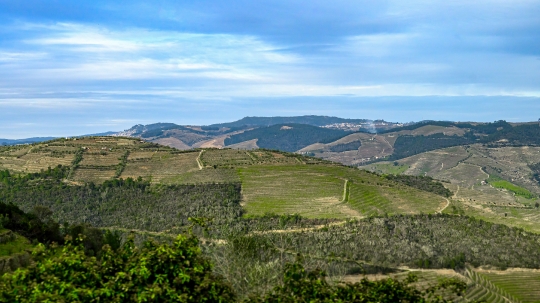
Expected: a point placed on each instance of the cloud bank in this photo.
(138, 61)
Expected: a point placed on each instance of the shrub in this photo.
(154, 273)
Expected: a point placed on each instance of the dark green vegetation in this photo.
(124, 203)
(153, 273)
(425, 241)
(179, 273)
(406, 146)
(287, 137)
(422, 182)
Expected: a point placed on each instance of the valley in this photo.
(469, 209)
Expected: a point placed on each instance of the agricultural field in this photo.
(514, 285)
(225, 158)
(305, 190)
(158, 166)
(372, 200)
(94, 175)
(346, 192)
(102, 158)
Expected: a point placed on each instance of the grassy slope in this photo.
(524, 285)
(297, 189)
(15, 244)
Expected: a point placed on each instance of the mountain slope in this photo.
(269, 121)
(287, 137)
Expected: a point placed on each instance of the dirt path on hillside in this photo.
(447, 204)
(296, 230)
(345, 198)
(199, 163)
(456, 193)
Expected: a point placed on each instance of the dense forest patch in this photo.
(123, 203)
(428, 241)
(424, 183)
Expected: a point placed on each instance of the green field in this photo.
(519, 191)
(377, 200)
(522, 285)
(307, 190)
(514, 285)
(318, 191)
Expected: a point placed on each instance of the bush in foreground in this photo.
(178, 273)
(155, 273)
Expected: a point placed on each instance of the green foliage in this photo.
(406, 146)
(16, 244)
(424, 183)
(525, 134)
(439, 241)
(130, 204)
(30, 225)
(154, 273)
(76, 160)
(287, 139)
(301, 285)
(501, 183)
(123, 161)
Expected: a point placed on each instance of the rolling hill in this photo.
(189, 136)
(265, 206)
(287, 137)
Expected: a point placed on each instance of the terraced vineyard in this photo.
(160, 165)
(306, 190)
(376, 200)
(513, 285)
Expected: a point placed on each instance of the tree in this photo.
(155, 273)
(300, 285)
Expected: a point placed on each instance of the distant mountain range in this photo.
(25, 141)
(349, 141)
(42, 139)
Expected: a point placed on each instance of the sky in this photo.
(81, 67)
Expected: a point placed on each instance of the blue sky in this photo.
(76, 67)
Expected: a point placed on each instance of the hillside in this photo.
(269, 179)
(287, 137)
(265, 207)
(269, 121)
(410, 140)
(494, 183)
(190, 136)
